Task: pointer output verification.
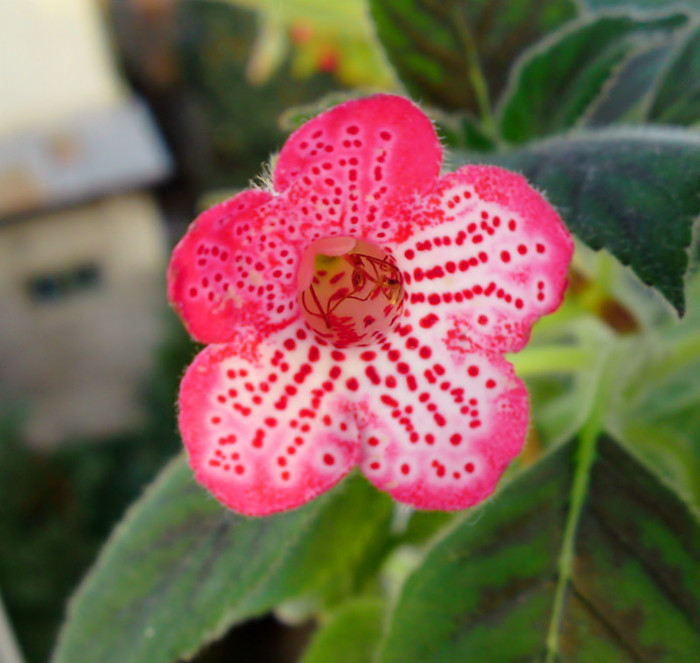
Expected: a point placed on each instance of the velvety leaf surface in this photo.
(555, 83)
(351, 635)
(486, 593)
(677, 100)
(653, 5)
(436, 46)
(181, 569)
(631, 191)
(625, 97)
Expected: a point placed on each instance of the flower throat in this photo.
(350, 291)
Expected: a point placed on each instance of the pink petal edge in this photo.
(348, 168)
(438, 423)
(227, 273)
(491, 252)
(263, 425)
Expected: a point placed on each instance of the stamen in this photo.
(353, 298)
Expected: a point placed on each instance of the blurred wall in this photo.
(82, 245)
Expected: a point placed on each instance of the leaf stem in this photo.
(585, 457)
(477, 79)
(552, 359)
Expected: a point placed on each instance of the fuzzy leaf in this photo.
(556, 83)
(635, 192)
(626, 96)
(486, 592)
(436, 46)
(180, 569)
(351, 635)
(652, 5)
(677, 100)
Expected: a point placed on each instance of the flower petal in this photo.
(347, 167)
(491, 252)
(232, 270)
(438, 424)
(265, 427)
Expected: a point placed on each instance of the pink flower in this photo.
(357, 314)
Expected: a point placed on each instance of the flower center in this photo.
(351, 291)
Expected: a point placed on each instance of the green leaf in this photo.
(460, 131)
(351, 635)
(677, 100)
(625, 98)
(657, 413)
(486, 592)
(456, 54)
(635, 192)
(181, 569)
(556, 82)
(652, 5)
(424, 525)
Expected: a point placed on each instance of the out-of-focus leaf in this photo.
(625, 97)
(351, 635)
(332, 37)
(631, 191)
(658, 413)
(444, 51)
(555, 83)
(423, 525)
(181, 569)
(460, 131)
(652, 5)
(663, 425)
(561, 403)
(677, 100)
(225, 138)
(631, 586)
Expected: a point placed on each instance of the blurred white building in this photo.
(82, 244)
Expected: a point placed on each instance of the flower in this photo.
(357, 314)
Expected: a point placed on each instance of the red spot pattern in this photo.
(350, 168)
(299, 409)
(489, 229)
(226, 273)
(271, 413)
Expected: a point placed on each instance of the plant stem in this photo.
(552, 359)
(585, 457)
(476, 78)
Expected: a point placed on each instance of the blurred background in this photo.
(119, 120)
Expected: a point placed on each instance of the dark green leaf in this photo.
(678, 98)
(460, 131)
(181, 569)
(653, 5)
(424, 525)
(446, 50)
(635, 192)
(351, 635)
(556, 83)
(486, 592)
(625, 97)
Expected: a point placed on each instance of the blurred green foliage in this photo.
(214, 45)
